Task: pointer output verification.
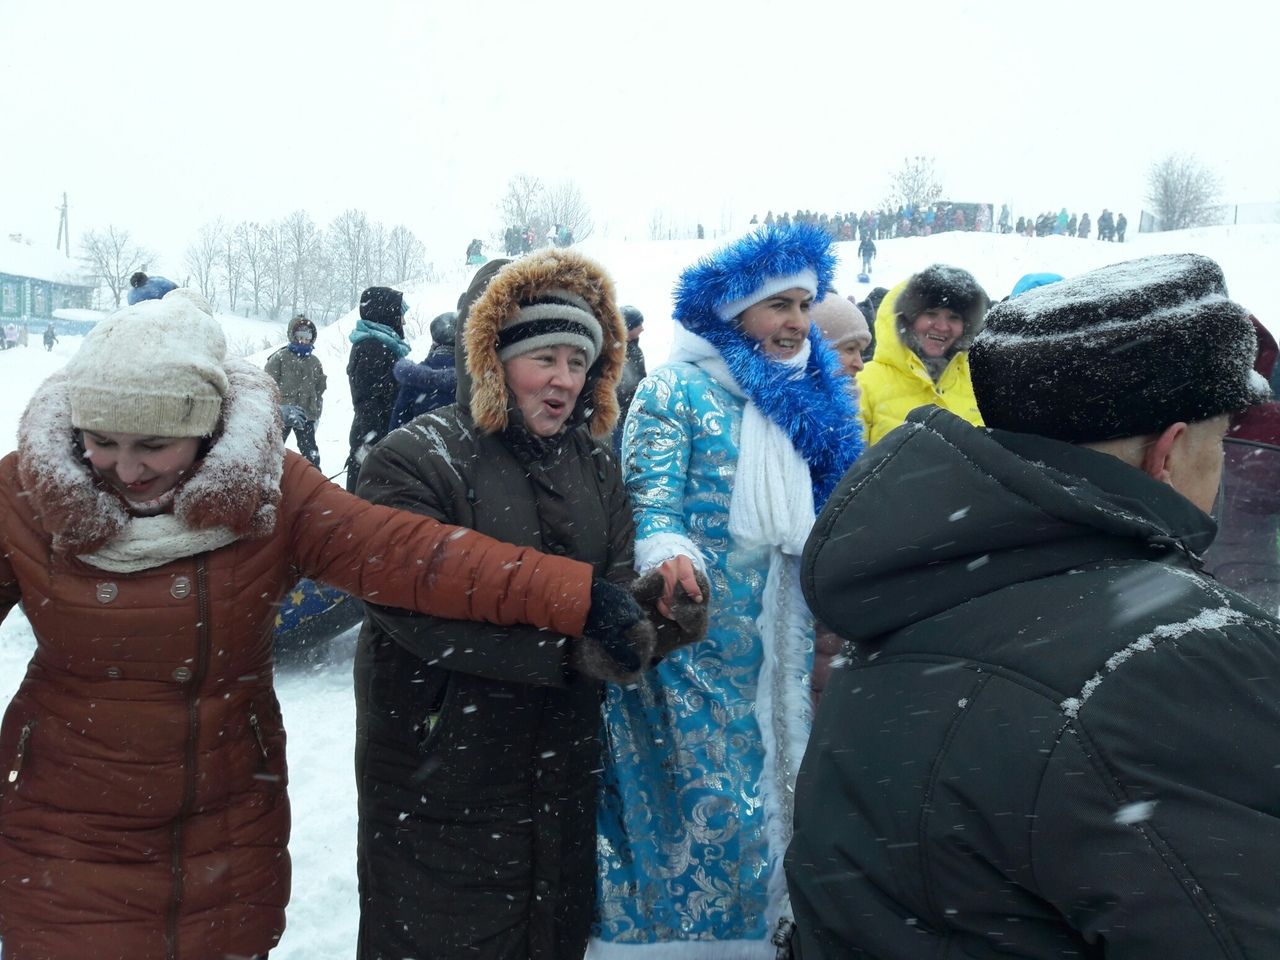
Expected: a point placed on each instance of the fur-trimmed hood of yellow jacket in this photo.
(519, 282)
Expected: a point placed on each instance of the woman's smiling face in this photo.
(780, 323)
(140, 468)
(937, 330)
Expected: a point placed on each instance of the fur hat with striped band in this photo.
(551, 296)
(1121, 351)
(551, 318)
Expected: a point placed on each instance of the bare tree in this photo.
(377, 260)
(232, 267)
(520, 205)
(407, 255)
(347, 243)
(564, 204)
(1182, 192)
(302, 244)
(658, 225)
(110, 256)
(202, 258)
(279, 290)
(252, 242)
(914, 184)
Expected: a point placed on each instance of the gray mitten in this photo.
(626, 654)
(688, 623)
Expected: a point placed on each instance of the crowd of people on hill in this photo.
(518, 240)
(922, 220)
(854, 628)
(1111, 227)
(911, 220)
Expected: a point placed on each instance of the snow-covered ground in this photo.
(317, 699)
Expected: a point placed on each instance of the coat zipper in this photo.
(20, 754)
(257, 731)
(176, 832)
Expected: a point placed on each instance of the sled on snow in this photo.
(311, 615)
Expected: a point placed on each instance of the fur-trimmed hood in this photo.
(482, 387)
(298, 322)
(941, 286)
(236, 485)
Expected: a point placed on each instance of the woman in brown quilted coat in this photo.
(150, 522)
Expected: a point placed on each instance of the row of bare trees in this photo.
(270, 269)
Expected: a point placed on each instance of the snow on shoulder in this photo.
(1204, 620)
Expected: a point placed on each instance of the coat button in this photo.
(181, 588)
(107, 592)
(113, 673)
(182, 674)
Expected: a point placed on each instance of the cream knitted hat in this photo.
(153, 369)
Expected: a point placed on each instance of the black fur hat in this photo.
(943, 286)
(1121, 351)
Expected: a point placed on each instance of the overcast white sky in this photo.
(160, 116)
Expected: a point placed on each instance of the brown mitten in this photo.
(625, 655)
(689, 619)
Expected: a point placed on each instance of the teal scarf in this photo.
(366, 329)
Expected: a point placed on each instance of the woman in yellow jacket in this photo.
(924, 328)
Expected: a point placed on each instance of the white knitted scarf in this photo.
(149, 542)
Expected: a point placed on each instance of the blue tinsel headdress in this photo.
(816, 411)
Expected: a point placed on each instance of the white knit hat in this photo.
(153, 369)
(806, 279)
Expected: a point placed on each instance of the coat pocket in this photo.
(266, 733)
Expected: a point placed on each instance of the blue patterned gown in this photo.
(684, 858)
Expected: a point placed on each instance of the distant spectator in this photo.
(632, 373)
(845, 328)
(23, 335)
(142, 287)
(299, 374)
(869, 306)
(377, 343)
(1106, 226)
(1085, 225)
(50, 336)
(867, 251)
(1121, 223)
(433, 383)
(1032, 280)
(10, 335)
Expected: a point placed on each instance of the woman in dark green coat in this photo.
(477, 748)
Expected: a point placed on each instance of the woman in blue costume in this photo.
(728, 451)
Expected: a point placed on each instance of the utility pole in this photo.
(64, 228)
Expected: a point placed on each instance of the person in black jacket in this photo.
(376, 344)
(1054, 734)
(633, 371)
